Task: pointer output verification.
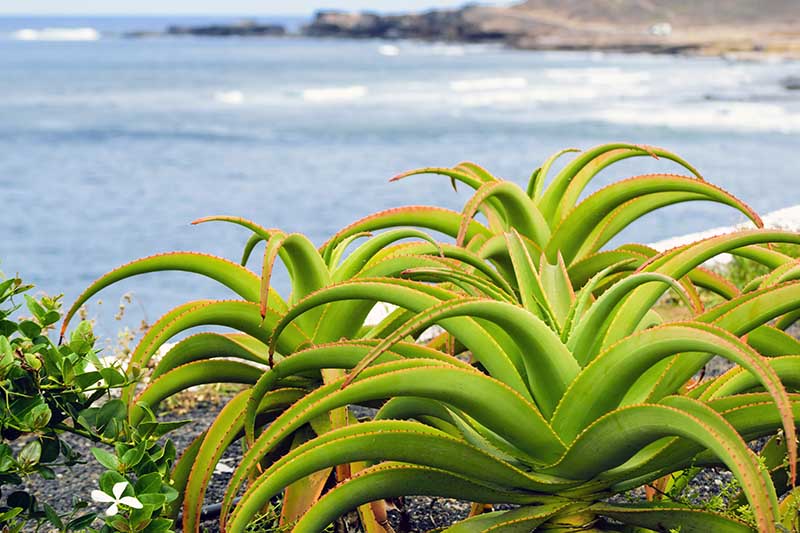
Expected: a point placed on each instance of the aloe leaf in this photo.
(764, 255)
(467, 282)
(433, 218)
(417, 297)
(249, 246)
(468, 173)
(190, 375)
(245, 223)
(572, 232)
(679, 262)
(772, 342)
(710, 280)
(558, 287)
(471, 179)
(752, 416)
(789, 271)
(225, 428)
(549, 366)
(449, 251)
(536, 182)
(756, 416)
(237, 278)
(180, 474)
(532, 292)
(520, 212)
(359, 258)
(150, 341)
(260, 233)
(743, 314)
(614, 438)
(567, 186)
(306, 267)
(303, 494)
(627, 213)
(343, 354)
(240, 315)
(495, 251)
(333, 255)
(686, 520)
(790, 518)
(434, 414)
(607, 379)
(735, 381)
(391, 480)
(383, 440)
(521, 520)
(395, 265)
(463, 389)
(209, 345)
(587, 338)
(580, 272)
(388, 324)
(476, 170)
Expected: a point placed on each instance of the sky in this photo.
(243, 7)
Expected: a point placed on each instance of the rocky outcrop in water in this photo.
(246, 28)
(792, 83)
(470, 24)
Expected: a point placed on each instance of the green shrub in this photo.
(49, 391)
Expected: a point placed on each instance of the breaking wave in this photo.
(56, 34)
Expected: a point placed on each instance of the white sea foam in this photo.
(57, 34)
(389, 50)
(725, 116)
(488, 84)
(531, 95)
(597, 75)
(229, 97)
(332, 94)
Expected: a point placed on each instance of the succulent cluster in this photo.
(554, 383)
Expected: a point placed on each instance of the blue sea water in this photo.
(110, 147)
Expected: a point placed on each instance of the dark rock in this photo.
(470, 24)
(343, 24)
(246, 28)
(792, 83)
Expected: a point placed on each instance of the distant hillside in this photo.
(732, 27)
(686, 12)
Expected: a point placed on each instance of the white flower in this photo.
(117, 499)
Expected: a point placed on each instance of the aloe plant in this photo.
(561, 421)
(563, 354)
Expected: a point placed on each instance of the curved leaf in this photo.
(209, 345)
(617, 436)
(575, 228)
(237, 278)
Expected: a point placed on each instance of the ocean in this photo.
(110, 146)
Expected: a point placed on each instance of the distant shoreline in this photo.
(525, 27)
